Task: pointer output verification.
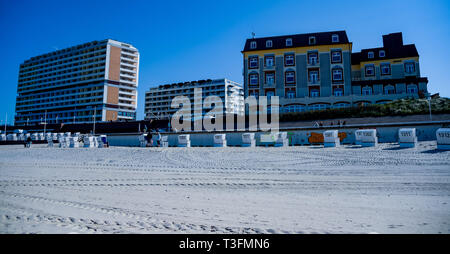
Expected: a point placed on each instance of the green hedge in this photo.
(401, 107)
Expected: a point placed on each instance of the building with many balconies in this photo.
(158, 100)
(96, 80)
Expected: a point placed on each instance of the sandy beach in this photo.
(225, 190)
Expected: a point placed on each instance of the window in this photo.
(370, 55)
(270, 94)
(294, 108)
(313, 76)
(337, 74)
(338, 92)
(410, 67)
(312, 40)
(313, 58)
(269, 61)
(389, 89)
(254, 93)
(268, 44)
(290, 77)
(289, 60)
(290, 94)
(412, 89)
(370, 70)
(253, 60)
(253, 44)
(318, 107)
(382, 53)
(341, 105)
(385, 69)
(254, 79)
(314, 93)
(335, 38)
(288, 42)
(270, 78)
(336, 56)
(367, 90)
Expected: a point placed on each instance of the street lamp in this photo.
(429, 106)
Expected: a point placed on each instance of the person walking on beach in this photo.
(158, 138)
(149, 138)
(28, 143)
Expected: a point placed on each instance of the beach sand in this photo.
(225, 190)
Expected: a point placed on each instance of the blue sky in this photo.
(192, 40)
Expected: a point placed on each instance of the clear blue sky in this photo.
(191, 40)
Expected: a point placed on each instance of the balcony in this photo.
(313, 82)
(269, 67)
(269, 83)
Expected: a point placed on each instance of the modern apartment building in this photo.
(72, 85)
(318, 70)
(158, 99)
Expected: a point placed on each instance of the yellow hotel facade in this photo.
(319, 70)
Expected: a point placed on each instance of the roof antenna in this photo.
(253, 35)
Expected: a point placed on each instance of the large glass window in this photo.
(335, 38)
(270, 78)
(370, 70)
(294, 108)
(270, 94)
(254, 80)
(412, 89)
(318, 106)
(313, 76)
(254, 93)
(289, 60)
(314, 93)
(338, 92)
(290, 94)
(337, 74)
(341, 105)
(290, 77)
(410, 67)
(288, 42)
(336, 56)
(389, 89)
(269, 61)
(367, 90)
(253, 62)
(385, 69)
(312, 58)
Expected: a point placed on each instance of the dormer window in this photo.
(370, 55)
(312, 40)
(382, 53)
(288, 42)
(253, 44)
(335, 38)
(268, 44)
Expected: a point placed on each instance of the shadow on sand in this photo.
(436, 151)
(398, 148)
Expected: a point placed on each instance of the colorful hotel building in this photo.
(318, 71)
(72, 85)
